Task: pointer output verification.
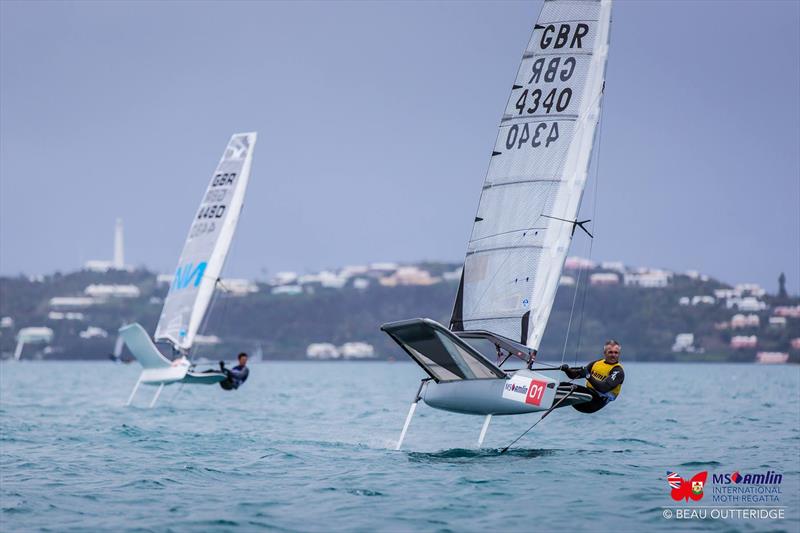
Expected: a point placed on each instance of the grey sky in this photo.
(376, 122)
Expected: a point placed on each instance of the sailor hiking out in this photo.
(604, 378)
(235, 376)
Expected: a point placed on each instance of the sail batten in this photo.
(537, 173)
(207, 245)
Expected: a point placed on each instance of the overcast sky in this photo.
(376, 122)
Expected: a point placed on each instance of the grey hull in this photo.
(486, 396)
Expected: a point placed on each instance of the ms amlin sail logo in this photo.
(732, 495)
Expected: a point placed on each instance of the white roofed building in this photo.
(284, 278)
(291, 290)
(103, 292)
(357, 350)
(238, 287)
(651, 279)
(604, 278)
(62, 302)
(409, 275)
(322, 350)
(741, 342)
(684, 342)
(93, 332)
(579, 263)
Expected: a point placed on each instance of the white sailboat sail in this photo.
(537, 174)
(207, 245)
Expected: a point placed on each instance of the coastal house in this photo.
(579, 263)
(753, 289)
(651, 279)
(64, 302)
(604, 278)
(361, 283)
(684, 342)
(777, 321)
(566, 281)
(104, 292)
(357, 350)
(290, 290)
(238, 287)
(740, 321)
(703, 300)
(745, 303)
(742, 342)
(772, 358)
(454, 275)
(322, 350)
(616, 266)
(409, 275)
(789, 311)
(58, 315)
(93, 332)
(284, 278)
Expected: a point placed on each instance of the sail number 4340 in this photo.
(533, 135)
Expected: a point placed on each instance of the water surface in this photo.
(309, 447)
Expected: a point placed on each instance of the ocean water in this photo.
(309, 447)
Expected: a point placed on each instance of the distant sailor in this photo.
(237, 375)
(604, 378)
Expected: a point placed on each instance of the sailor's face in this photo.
(243, 360)
(611, 354)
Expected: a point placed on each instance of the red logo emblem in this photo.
(683, 490)
(535, 392)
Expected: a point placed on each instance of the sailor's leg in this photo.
(133, 392)
(158, 393)
(483, 430)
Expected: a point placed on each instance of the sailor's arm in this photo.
(615, 378)
(574, 373)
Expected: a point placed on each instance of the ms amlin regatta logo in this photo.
(747, 487)
(728, 488)
(738, 495)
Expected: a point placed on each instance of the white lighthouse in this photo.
(118, 262)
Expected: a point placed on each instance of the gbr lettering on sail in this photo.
(547, 92)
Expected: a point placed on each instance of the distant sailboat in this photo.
(526, 218)
(196, 276)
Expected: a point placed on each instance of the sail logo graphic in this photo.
(238, 147)
(683, 490)
(188, 274)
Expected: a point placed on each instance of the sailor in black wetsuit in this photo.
(236, 375)
(604, 378)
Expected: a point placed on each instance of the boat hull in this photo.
(510, 396)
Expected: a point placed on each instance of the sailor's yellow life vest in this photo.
(600, 371)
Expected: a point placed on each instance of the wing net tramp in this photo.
(439, 352)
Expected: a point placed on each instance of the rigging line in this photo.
(571, 312)
(573, 389)
(505, 233)
(594, 216)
